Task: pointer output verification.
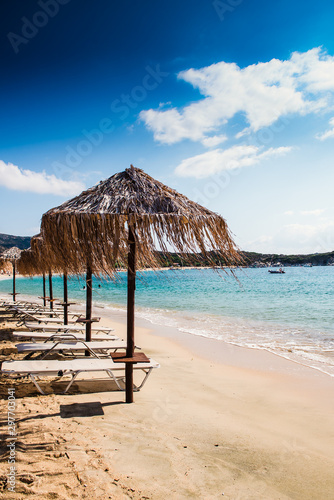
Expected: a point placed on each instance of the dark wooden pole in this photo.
(44, 291)
(50, 290)
(14, 272)
(88, 305)
(130, 316)
(65, 299)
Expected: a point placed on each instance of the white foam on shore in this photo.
(291, 344)
(288, 343)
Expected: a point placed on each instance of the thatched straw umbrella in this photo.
(47, 265)
(5, 265)
(12, 255)
(123, 221)
(44, 264)
(29, 264)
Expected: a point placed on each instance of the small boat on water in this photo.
(279, 271)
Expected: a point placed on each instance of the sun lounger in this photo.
(37, 308)
(73, 327)
(39, 311)
(73, 367)
(19, 303)
(15, 306)
(33, 310)
(49, 336)
(24, 314)
(65, 344)
(40, 314)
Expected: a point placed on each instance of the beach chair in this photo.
(73, 327)
(26, 314)
(39, 313)
(50, 336)
(66, 344)
(32, 306)
(55, 368)
(14, 307)
(19, 303)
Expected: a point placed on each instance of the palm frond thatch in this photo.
(92, 228)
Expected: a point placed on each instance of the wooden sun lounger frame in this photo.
(145, 367)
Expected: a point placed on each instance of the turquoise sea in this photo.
(290, 314)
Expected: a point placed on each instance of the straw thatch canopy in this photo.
(40, 260)
(12, 253)
(93, 227)
(4, 265)
(39, 254)
(28, 264)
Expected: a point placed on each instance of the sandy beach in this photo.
(215, 421)
(5, 277)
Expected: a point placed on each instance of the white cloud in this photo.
(328, 133)
(211, 142)
(317, 211)
(214, 161)
(18, 179)
(295, 239)
(263, 92)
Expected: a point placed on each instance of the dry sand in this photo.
(215, 421)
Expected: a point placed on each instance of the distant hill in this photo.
(252, 259)
(9, 241)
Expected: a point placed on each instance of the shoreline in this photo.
(218, 350)
(4, 277)
(234, 422)
(187, 335)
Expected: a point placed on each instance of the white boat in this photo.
(279, 271)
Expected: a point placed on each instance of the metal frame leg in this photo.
(36, 383)
(145, 378)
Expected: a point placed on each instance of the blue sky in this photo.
(230, 102)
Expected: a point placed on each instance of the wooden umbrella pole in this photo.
(14, 272)
(65, 300)
(44, 291)
(50, 290)
(88, 305)
(130, 315)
